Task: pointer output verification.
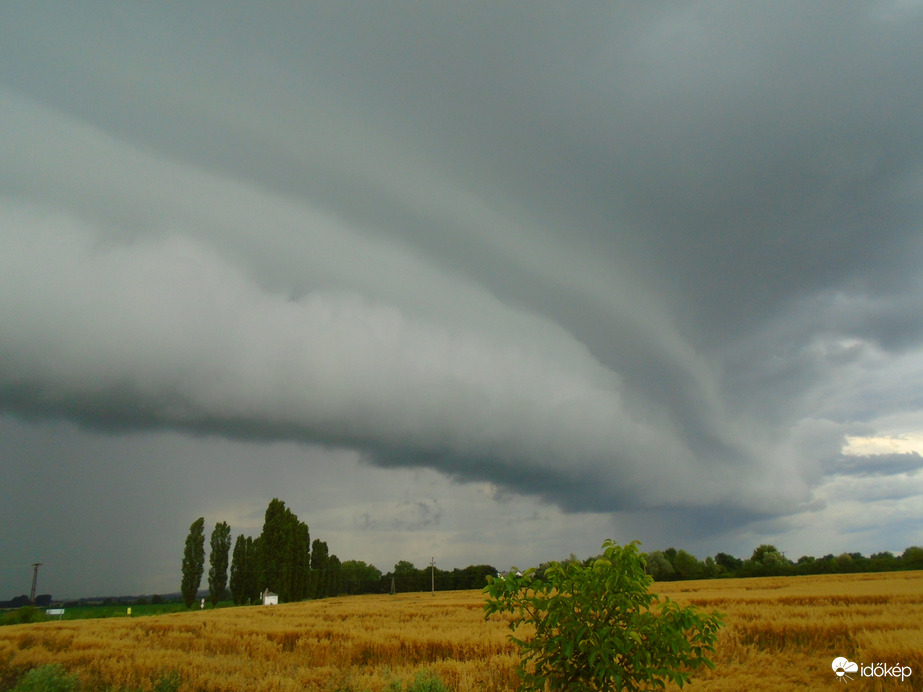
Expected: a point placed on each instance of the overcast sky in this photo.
(482, 282)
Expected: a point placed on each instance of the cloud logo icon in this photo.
(842, 665)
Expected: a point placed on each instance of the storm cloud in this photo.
(612, 266)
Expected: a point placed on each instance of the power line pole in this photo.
(35, 566)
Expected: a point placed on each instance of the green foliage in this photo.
(48, 678)
(598, 627)
(659, 567)
(426, 681)
(244, 581)
(687, 565)
(23, 615)
(319, 563)
(169, 681)
(913, 557)
(193, 561)
(218, 559)
(360, 577)
(283, 550)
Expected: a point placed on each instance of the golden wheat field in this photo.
(780, 634)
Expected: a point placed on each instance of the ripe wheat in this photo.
(780, 633)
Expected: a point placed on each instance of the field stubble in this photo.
(780, 633)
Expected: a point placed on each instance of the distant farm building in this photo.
(270, 598)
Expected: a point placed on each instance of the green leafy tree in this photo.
(598, 627)
(284, 548)
(360, 577)
(238, 569)
(193, 561)
(710, 568)
(218, 559)
(319, 572)
(767, 560)
(659, 567)
(301, 560)
(912, 558)
(728, 562)
(687, 566)
(336, 581)
(245, 576)
(275, 545)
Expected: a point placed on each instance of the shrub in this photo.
(48, 678)
(426, 681)
(169, 681)
(27, 614)
(598, 627)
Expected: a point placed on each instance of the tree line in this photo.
(766, 560)
(284, 560)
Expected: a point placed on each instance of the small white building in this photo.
(270, 598)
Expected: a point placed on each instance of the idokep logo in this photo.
(843, 666)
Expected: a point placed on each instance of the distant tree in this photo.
(760, 552)
(687, 566)
(193, 561)
(912, 558)
(244, 579)
(360, 577)
(767, 560)
(472, 576)
(403, 568)
(728, 562)
(300, 561)
(659, 567)
(239, 568)
(284, 548)
(670, 554)
(319, 565)
(218, 559)
(711, 569)
(252, 578)
(883, 562)
(845, 563)
(408, 578)
(336, 583)
(275, 546)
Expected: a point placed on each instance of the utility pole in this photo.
(432, 573)
(35, 566)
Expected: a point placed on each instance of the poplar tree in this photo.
(193, 561)
(239, 568)
(284, 548)
(218, 559)
(252, 574)
(300, 561)
(319, 564)
(273, 546)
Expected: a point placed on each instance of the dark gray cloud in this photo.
(626, 261)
